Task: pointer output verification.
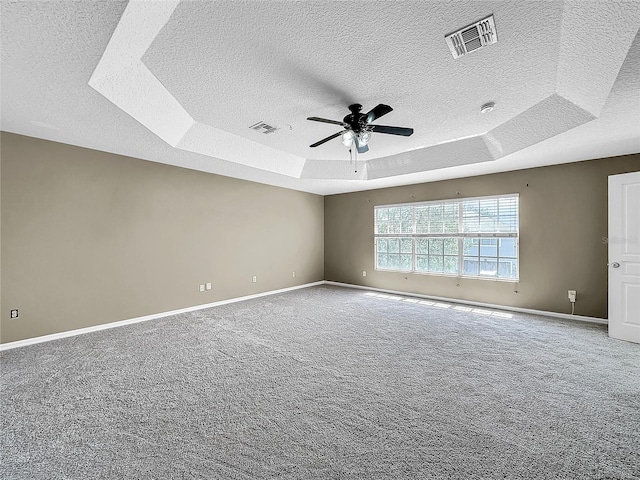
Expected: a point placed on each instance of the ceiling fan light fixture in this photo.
(364, 137)
(347, 138)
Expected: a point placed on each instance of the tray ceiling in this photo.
(182, 82)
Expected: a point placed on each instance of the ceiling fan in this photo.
(358, 128)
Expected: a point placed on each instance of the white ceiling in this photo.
(181, 82)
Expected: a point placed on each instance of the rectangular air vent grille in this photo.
(472, 37)
(263, 127)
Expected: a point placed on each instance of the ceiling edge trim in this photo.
(123, 79)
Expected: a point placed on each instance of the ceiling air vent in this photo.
(263, 127)
(472, 37)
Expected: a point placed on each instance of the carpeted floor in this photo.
(325, 383)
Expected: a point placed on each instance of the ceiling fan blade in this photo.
(327, 139)
(377, 112)
(405, 132)
(324, 120)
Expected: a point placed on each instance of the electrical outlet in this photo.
(208, 286)
(254, 279)
(14, 313)
(364, 273)
(202, 287)
(293, 274)
(572, 296)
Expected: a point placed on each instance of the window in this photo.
(472, 237)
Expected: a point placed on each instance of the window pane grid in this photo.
(468, 237)
(444, 235)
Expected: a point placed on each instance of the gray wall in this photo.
(563, 219)
(90, 237)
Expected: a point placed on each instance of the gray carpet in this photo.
(325, 383)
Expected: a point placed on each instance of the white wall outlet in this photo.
(202, 287)
(364, 273)
(293, 274)
(572, 296)
(14, 313)
(208, 287)
(254, 279)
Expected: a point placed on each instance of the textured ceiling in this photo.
(181, 83)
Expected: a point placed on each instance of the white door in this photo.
(624, 256)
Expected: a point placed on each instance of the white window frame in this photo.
(460, 236)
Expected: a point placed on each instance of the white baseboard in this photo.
(567, 316)
(105, 326)
(81, 331)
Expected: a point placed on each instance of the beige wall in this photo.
(563, 219)
(90, 237)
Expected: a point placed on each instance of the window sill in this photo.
(449, 275)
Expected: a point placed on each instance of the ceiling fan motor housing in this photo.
(356, 120)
